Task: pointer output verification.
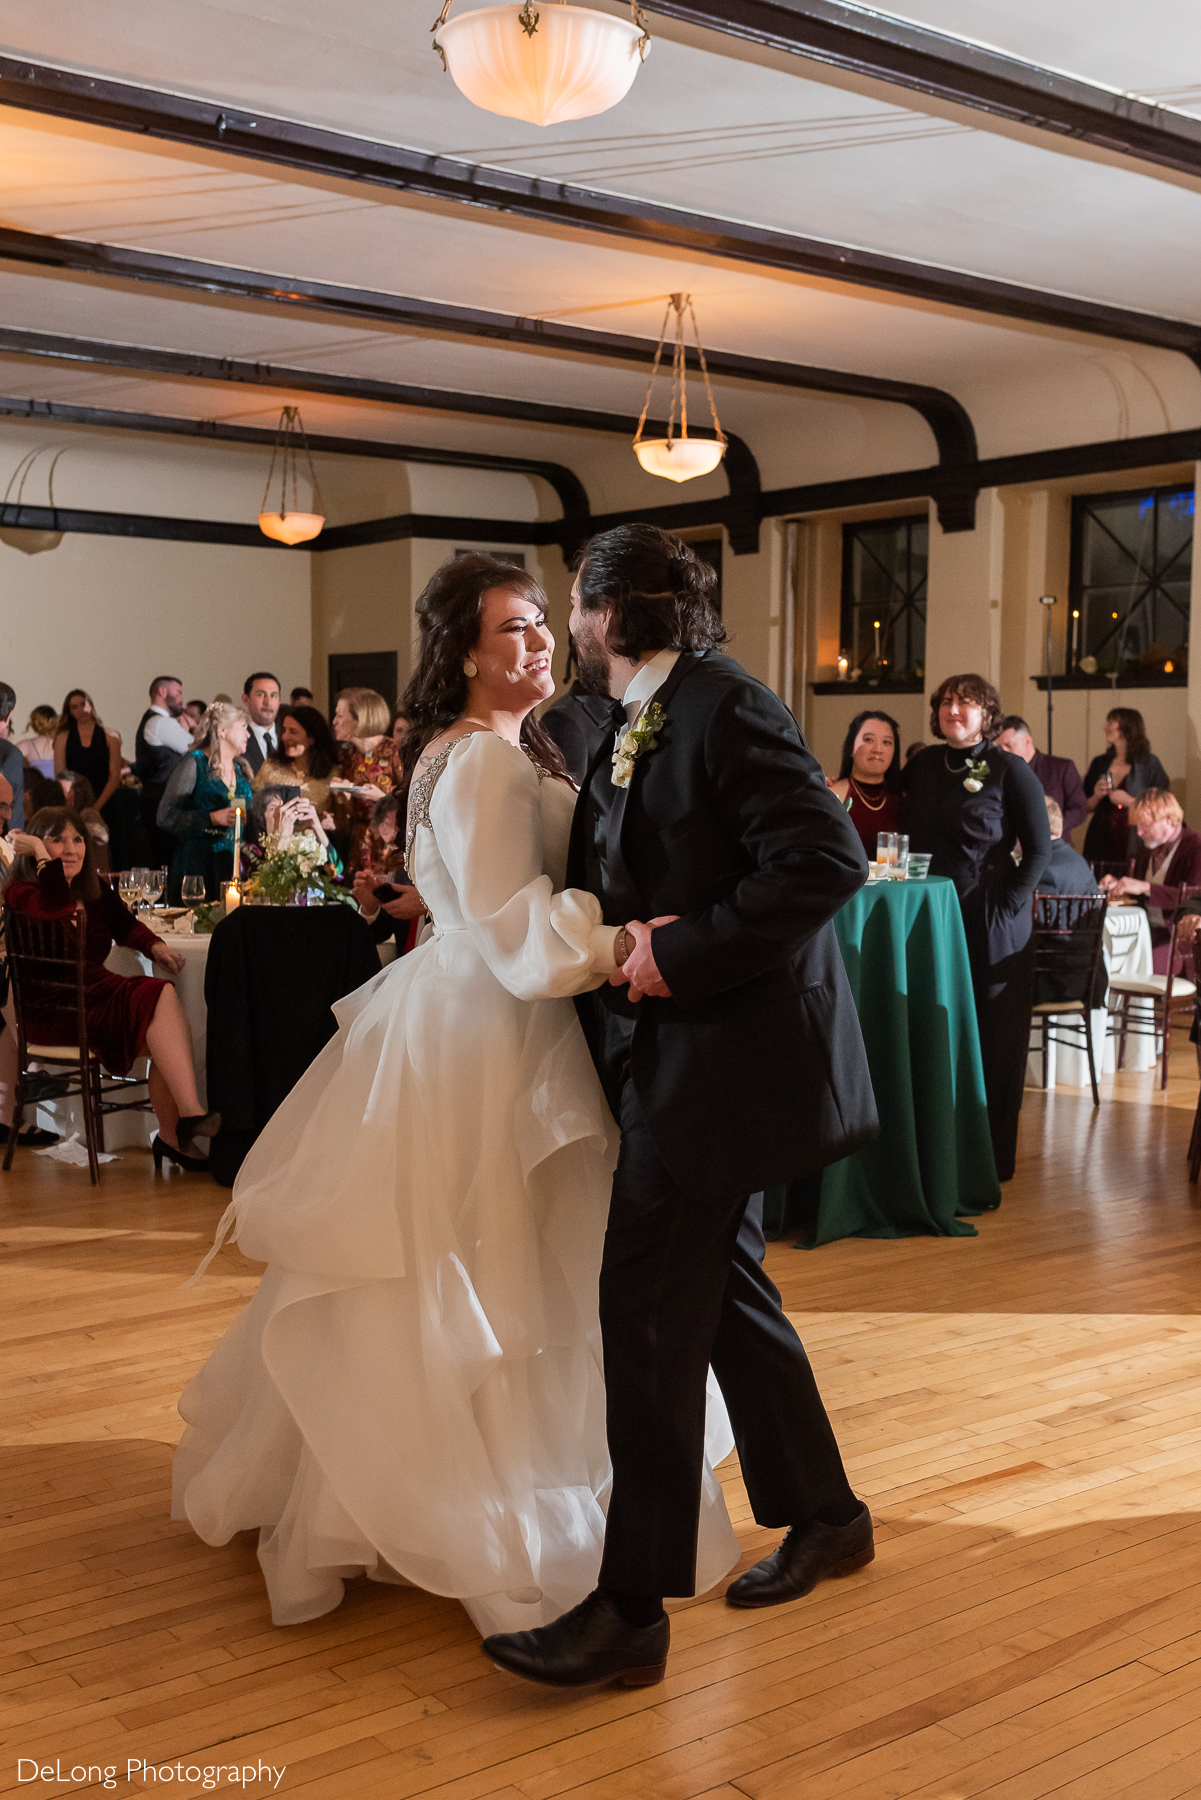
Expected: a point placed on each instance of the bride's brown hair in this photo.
(448, 619)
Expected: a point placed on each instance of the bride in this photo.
(415, 1391)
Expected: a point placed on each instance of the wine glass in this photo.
(192, 894)
(156, 881)
(128, 888)
(139, 877)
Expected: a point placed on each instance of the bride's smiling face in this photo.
(512, 653)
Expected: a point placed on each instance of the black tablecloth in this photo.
(273, 974)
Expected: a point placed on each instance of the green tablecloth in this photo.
(932, 1165)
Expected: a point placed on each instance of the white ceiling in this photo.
(780, 144)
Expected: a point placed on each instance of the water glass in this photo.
(918, 867)
(886, 854)
(156, 881)
(902, 843)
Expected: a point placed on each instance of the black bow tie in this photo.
(619, 715)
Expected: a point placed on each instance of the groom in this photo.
(732, 1062)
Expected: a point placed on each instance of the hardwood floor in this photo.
(1021, 1410)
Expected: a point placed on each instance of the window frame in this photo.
(1131, 674)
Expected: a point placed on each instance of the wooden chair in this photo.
(1068, 937)
(46, 966)
(1172, 996)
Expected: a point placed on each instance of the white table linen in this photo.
(1127, 951)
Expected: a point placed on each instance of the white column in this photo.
(963, 609)
(1192, 791)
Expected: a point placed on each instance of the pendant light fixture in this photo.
(679, 458)
(29, 540)
(542, 63)
(290, 525)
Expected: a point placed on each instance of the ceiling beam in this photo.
(913, 56)
(308, 149)
(566, 484)
(739, 464)
(953, 431)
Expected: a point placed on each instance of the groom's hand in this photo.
(640, 968)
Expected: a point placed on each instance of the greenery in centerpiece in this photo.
(299, 865)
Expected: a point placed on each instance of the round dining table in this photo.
(931, 1168)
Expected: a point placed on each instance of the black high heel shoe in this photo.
(205, 1125)
(195, 1165)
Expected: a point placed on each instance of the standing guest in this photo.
(398, 729)
(1058, 775)
(260, 698)
(869, 777)
(307, 758)
(128, 1016)
(193, 712)
(197, 808)
(301, 696)
(969, 806)
(1115, 780)
(1169, 857)
(361, 719)
(38, 747)
(1067, 872)
(83, 801)
(398, 916)
(12, 763)
(85, 747)
(162, 737)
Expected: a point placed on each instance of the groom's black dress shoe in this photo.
(591, 1643)
(808, 1553)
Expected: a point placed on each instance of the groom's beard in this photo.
(594, 665)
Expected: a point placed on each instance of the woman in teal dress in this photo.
(198, 805)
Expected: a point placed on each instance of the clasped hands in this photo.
(640, 970)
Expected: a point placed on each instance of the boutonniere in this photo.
(975, 775)
(642, 736)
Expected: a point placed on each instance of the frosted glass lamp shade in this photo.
(679, 459)
(28, 541)
(291, 527)
(578, 62)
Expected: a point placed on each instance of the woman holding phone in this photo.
(387, 898)
(307, 758)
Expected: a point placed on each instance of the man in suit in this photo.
(1067, 872)
(260, 697)
(1058, 775)
(733, 1060)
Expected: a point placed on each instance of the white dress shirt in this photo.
(264, 737)
(165, 733)
(648, 681)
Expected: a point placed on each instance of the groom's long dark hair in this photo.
(448, 619)
(659, 589)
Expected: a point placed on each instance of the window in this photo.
(883, 630)
(1132, 563)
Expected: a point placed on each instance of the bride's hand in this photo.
(640, 968)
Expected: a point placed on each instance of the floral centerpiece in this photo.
(288, 866)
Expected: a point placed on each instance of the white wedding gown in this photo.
(415, 1391)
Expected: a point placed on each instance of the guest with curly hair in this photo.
(201, 796)
(970, 805)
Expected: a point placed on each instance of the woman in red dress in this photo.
(868, 775)
(128, 1015)
(360, 724)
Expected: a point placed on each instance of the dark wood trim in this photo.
(249, 537)
(236, 132)
(913, 56)
(865, 689)
(1132, 678)
(566, 485)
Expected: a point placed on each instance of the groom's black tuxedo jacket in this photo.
(754, 1072)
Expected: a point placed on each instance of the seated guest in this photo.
(197, 809)
(279, 817)
(398, 916)
(868, 777)
(1067, 872)
(1058, 775)
(128, 1016)
(38, 747)
(360, 723)
(12, 763)
(193, 712)
(41, 794)
(1169, 857)
(30, 1134)
(307, 758)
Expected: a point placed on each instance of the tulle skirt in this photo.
(415, 1391)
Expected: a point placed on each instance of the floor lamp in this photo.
(1047, 601)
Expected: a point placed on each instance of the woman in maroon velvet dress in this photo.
(128, 1015)
(868, 777)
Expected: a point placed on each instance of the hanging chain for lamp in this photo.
(679, 392)
(289, 433)
(528, 19)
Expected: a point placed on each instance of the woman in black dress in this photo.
(1116, 779)
(968, 805)
(85, 746)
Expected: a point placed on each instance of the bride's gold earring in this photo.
(469, 669)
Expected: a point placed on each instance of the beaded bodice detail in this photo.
(422, 792)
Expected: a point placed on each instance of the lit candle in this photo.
(237, 806)
(877, 630)
(232, 897)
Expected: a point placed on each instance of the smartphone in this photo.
(388, 890)
(288, 793)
